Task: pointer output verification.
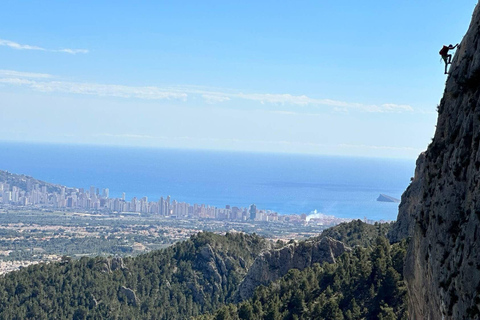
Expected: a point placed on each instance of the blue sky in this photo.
(359, 78)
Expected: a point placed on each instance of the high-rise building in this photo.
(161, 206)
(70, 202)
(167, 206)
(253, 212)
(15, 194)
(133, 204)
(173, 207)
(144, 205)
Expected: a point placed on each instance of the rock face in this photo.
(214, 270)
(111, 264)
(441, 208)
(410, 204)
(272, 265)
(131, 296)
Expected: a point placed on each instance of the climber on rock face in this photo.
(445, 56)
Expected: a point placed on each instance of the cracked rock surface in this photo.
(440, 210)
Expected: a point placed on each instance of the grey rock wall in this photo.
(441, 208)
(411, 200)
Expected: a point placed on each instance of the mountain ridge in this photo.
(25, 182)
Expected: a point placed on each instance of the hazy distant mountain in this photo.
(26, 183)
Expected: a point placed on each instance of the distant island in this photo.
(384, 198)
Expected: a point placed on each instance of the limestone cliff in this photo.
(441, 208)
(274, 264)
(410, 204)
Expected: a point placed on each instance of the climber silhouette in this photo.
(445, 56)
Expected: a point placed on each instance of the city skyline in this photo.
(349, 78)
(47, 196)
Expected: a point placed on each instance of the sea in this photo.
(345, 187)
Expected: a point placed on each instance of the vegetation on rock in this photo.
(365, 283)
(200, 278)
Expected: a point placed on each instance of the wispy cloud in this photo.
(106, 90)
(303, 100)
(35, 81)
(213, 98)
(72, 51)
(18, 46)
(19, 74)
(48, 83)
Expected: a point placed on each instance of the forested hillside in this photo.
(357, 233)
(200, 277)
(187, 279)
(365, 283)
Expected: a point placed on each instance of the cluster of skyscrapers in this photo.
(49, 196)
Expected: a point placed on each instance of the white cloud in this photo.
(72, 51)
(396, 107)
(211, 96)
(16, 81)
(276, 98)
(19, 74)
(303, 100)
(18, 46)
(215, 98)
(104, 90)
(41, 82)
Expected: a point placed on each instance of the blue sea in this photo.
(287, 183)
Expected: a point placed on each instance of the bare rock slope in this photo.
(274, 264)
(441, 208)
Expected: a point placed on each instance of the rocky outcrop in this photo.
(441, 208)
(274, 264)
(111, 264)
(131, 296)
(216, 270)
